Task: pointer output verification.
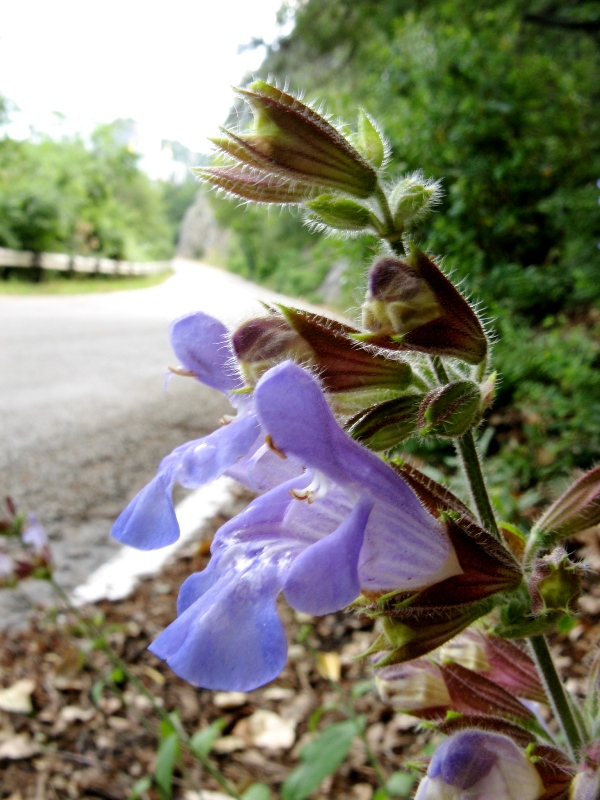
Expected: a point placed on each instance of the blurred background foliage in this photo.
(500, 100)
(86, 197)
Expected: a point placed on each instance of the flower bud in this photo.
(450, 410)
(416, 688)
(290, 141)
(398, 299)
(387, 424)
(339, 213)
(586, 785)
(555, 584)
(411, 197)
(574, 511)
(477, 765)
(411, 305)
(261, 343)
(370, 141)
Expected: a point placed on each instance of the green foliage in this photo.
(202, 742)
(257, 791)
(68, 196)
(320, 758)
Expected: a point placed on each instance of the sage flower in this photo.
(476, 765)
(202, 346)
(348, 523)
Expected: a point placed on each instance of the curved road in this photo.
(84, 418)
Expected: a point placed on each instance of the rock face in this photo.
(199, 235)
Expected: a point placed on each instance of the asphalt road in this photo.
(84, 418)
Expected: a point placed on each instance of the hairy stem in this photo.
(471, 465)
(556, 694)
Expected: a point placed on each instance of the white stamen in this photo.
(317, 488)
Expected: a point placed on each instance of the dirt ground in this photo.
(85, 737)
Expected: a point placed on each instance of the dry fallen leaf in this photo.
(18, 746)
(17, 698)
(329, 666)
(267, 729)
(230, 699)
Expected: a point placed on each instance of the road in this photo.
(84, 418)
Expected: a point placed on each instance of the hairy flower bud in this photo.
(398, 299)
(265, 341)
(586, 785)
(387, 424)
(294, 145)
(340, 213)
(477, 765)
(416, 687)
(411, 305)
(411, 197)
(575, 510)
(450, 410)
(555, 584)
(370, 141)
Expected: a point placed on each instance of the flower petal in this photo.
(293, 409)
(201, 344)
(208, 458)
(149, 521)
(405, 547)
(324, 577)
(231, 638)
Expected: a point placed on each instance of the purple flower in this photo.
(476, 765)
(348, 523)
(35, 536)
(201, 344)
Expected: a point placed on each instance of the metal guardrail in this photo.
(63, 262)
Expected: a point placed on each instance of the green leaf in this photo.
(167, 756)
(362, 687)
(117, 676)
(320, 758)
(140, 787)
(399, 784)
(96, 691)
(257, 791)
(381, 794)
(202, 742)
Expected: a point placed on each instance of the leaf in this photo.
(320, 758)
(96, 691)
(139, 787)
(400, 783)
(167, 755)
(202, 742)
(257, 791)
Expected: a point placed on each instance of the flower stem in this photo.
(392, 235)
(556, 694)
(471, 465)
(541, 653)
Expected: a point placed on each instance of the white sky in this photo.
(168, 65)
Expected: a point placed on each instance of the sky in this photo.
(168, 65)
